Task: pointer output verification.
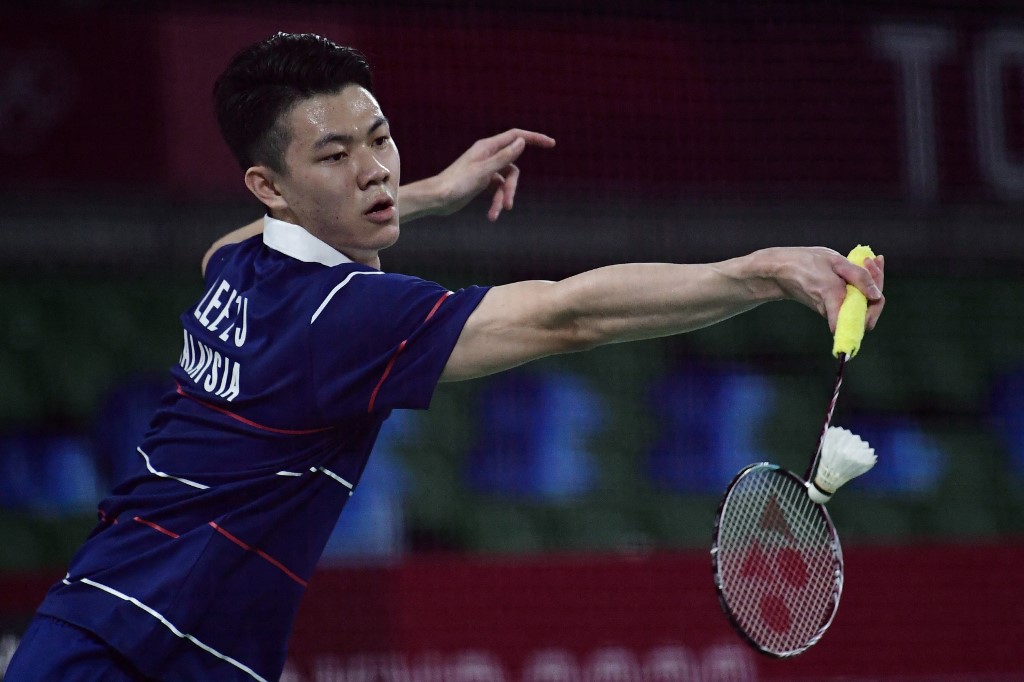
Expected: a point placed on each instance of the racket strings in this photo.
(779, 564)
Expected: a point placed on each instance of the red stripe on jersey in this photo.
(401, 347)
(387, 371)
(258, 552)
(159, 529)
(249, 422)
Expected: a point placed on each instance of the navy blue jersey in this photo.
(290, 362)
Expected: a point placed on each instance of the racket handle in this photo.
(853, 312)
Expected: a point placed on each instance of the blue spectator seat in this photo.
(535, 434)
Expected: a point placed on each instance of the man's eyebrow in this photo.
(339, 138)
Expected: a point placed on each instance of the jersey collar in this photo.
(294, 241)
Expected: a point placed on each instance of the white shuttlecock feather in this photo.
(844, 456)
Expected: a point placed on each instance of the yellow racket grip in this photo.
(853, 312)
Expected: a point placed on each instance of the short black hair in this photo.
(264, 81)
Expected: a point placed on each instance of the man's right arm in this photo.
(524, 321)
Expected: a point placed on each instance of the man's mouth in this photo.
(382, 210)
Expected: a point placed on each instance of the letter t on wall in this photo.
(916, 49)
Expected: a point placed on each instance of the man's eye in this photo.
(336, 157)
(381, 141)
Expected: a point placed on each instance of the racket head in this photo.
(776, 560)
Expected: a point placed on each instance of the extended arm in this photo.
(524, 321)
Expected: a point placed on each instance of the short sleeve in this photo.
(380, 342)
(220, 257)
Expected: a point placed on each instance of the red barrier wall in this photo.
(798, 100)
(922, 613)
(907, 613)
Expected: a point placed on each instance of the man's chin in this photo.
(388, 236)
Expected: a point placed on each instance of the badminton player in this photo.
(301, 346)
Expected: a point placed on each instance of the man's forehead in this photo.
(352, 111)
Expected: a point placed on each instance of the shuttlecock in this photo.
(844, 455)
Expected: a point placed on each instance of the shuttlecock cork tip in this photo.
(844, 456)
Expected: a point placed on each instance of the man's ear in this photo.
(262, 182)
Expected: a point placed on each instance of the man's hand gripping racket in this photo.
(776, 557)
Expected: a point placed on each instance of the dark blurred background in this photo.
(686, 132)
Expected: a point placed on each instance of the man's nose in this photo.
(373, 172)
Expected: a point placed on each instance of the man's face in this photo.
(342, 173)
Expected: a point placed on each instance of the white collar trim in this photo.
(295, 241)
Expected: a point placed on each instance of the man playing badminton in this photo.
(299, 349)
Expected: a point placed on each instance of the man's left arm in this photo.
(489, 164)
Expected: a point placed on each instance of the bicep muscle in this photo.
(514, 324)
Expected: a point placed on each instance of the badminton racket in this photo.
(775, 553)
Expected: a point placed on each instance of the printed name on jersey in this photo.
(215, 372)
(224, 312)
(233, 311)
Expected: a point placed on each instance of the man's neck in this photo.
(363, 257)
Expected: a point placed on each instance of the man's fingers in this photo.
(504, 156)
(530, 137)
(535, 139)
(504, 186)
(497, 202)
(821, 277)
(859, 277)
(502, 150)
(874, 312)
(492, 145)
(878, 271)
(869, 279)
(511, 181)
(490, 163)
(831, 313)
